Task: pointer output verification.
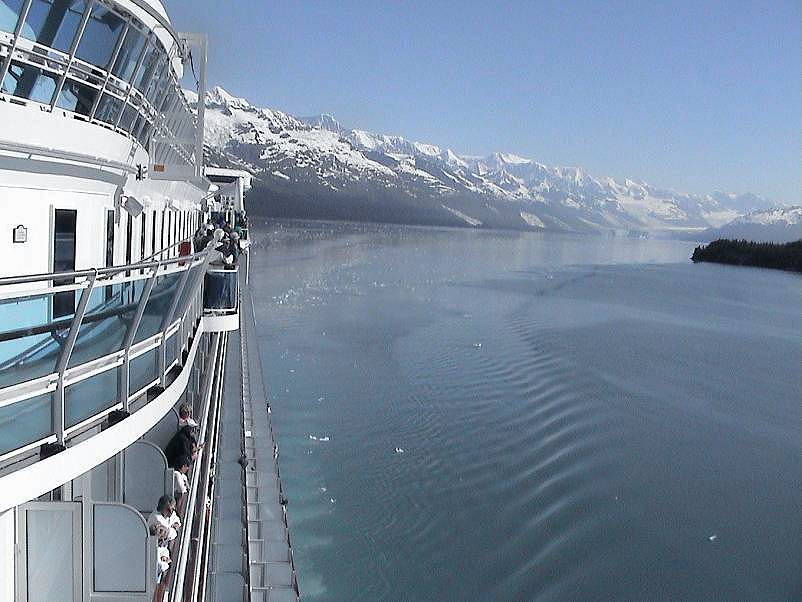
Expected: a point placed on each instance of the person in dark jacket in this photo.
(183, 444)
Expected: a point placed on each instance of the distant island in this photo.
(786, 256)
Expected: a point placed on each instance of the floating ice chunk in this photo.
(399, 450)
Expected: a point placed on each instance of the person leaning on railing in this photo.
(180, 481)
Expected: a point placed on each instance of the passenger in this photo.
(164, 516)
(227, 228)
(235, 246)
(184, 443)
(162, 552)
(197, 237)
(180, 481)
(221, 254)
(185, 416)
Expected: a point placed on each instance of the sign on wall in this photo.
(20, 234)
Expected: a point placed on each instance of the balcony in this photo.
(132, 330)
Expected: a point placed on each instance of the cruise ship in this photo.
(114, 314)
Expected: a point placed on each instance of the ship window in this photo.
(9, 13)
(100, 36)
(64, 259)
(109, 248)
(153, 88)
(76, 97)
(109, 109)
(126, 60)
(147, 67)
(153, 234)
(29, 82)
(142, 236)
(129, 238)
(53, 23)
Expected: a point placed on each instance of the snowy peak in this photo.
(779, 216)
(218, 97)
(324, 121)
(316, 160)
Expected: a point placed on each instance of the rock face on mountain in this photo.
(313, 167)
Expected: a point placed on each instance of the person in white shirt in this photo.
(165, 516)
(180, 481)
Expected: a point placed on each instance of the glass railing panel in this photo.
(130, 113)
(143, 370)
(24, 422)
(108, 110)
(109, 313)
(89, 397)
(9, 13)
(186, 292)
(30, 342)
(171, 350)
(53, 23)
(161, 296)
(77, 97)
(220, 289)
(30, 83)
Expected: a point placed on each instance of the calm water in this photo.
(580, 418)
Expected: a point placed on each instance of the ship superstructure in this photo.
(111, 318)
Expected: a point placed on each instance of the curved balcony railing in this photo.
(129, 328)
(94, 59)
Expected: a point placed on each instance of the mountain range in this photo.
(313, 167)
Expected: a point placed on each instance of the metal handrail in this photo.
(8, 280)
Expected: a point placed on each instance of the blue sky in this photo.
(696, 96)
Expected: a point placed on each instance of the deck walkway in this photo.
(251, 557)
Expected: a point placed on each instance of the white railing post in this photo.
(64, 357)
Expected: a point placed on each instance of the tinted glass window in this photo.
(9, 11)
(77, 97)
(29, 82)
(146, 69)
(129, 238)
(126, 60)
(64, 259)
(53, 22)
(100, 36)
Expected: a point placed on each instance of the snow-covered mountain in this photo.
(315, 167)
(779, 224)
